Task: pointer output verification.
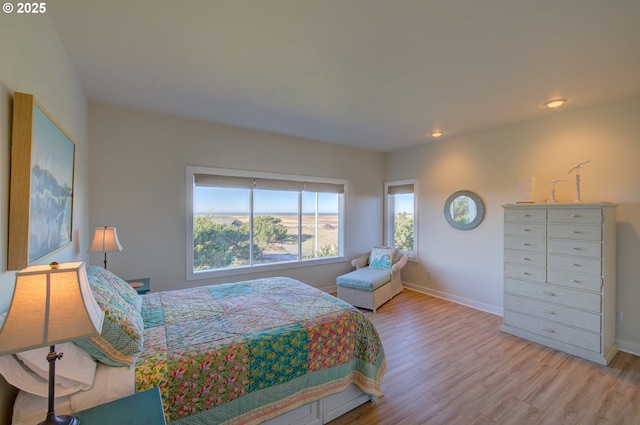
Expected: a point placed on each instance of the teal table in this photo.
(140, 408)
(142, 286)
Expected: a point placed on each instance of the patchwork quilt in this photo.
(249, 351)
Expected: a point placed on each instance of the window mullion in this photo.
(315, 228)
(251, 227)
(299, 225)
(391, 221)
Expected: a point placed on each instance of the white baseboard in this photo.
(626, 346)
(456, 299)
(333, 289)
(629, 347)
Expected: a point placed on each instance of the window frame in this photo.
(265, 267)
(389, 214)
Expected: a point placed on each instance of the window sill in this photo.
(237, 271)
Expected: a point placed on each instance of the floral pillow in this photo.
(102, 276)
(380, 258)
(120, 341)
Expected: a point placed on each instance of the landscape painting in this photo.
(42, 185)
(51, 187)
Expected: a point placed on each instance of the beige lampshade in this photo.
(50, 306)
(105, 239)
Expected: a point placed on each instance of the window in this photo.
(238, 221)
(401, 211)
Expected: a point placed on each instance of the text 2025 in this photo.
(31, 8)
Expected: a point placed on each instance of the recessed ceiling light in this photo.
(437, 133)
(555, 103)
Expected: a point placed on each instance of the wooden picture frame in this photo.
(41, 189)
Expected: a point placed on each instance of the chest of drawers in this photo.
(559, 277)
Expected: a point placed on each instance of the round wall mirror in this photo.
(464, 210)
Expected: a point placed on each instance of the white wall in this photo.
(33, 61)
(467, 266)
(138, 169)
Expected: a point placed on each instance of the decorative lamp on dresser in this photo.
(560, 277)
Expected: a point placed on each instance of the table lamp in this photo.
(105, 239)
(51, 304)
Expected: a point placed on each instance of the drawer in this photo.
(532, 230)
(524, 272)
(527, 258)
(529, 244)
(568, 335)
(526, 215)
(575, 232)
(554, 312)
(588, 282)
(576, 215)
(575, 264)
(549, 293)
(569, 247)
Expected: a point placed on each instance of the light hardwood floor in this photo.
(450, 365)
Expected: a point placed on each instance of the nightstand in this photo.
(140, 408)
(142, 286)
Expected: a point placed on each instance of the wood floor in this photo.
(450, 365)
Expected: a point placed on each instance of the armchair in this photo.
(371, 285)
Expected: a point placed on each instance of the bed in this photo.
(239, 353)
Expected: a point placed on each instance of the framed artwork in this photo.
(41, 191)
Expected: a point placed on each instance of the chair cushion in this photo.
(365, 279)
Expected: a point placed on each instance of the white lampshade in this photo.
(105, 239)
(51, 304)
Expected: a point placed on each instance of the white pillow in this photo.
(32, 374)
(111, 383)
(29, 409)
(75, 366)
(18, 375)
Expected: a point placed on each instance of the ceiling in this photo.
(375, 74)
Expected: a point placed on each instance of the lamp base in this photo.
(52, 419)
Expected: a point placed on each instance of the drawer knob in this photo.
(526, 215)
(526, 244)
(547, 311)
(575, 281)
(525, 273)
(575, 215)
(575, 265)
(526, 230)
(575, 248)
(548, 293)
(546, 329)
(526, 259)
(575, 232)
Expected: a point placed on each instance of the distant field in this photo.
(327, 234)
